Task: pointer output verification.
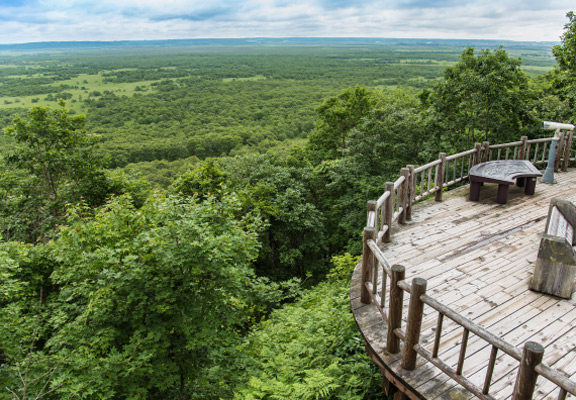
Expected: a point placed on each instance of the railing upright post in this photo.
(526, 377)
(522, 149)
(485, 151)
(414, 323)
(389, 211)
(367, 264)
(395, 309)
(440, 177)
(403, 195)
(567, 150)
(477, 155)
(559, 151)
(411, 192)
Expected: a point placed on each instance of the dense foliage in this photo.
(128, 292)
(52, 163)
(213, 263)
(310, 349)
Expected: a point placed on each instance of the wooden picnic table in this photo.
(504, 173)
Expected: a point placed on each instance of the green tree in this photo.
(53, 146)
(51, 163)
(565, 53)
(479, 99)
(161, 288)
(342, 188)
(389, 137)
(26, 370)
(564, 79)
(138, 303)
(204, 180)
(336, 117)
(294, 241)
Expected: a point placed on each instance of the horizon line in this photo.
(276, 38)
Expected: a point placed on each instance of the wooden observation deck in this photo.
(459, 330)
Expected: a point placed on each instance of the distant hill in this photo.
(43, 47)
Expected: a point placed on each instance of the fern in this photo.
(309, 350)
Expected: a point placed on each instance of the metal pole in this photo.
(549, 173)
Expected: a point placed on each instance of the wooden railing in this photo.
(384, 283)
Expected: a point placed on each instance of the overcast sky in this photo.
(24, 21)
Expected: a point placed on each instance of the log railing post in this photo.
(395, 308)
(367, 264)
(414, 323)
(371, 207)
(440, 168)
(411, 192)
(485, 151)
(567, 151)
(477, 159)
(403, 195)
(522, 149)
(559, 151)
(526, 378)
(389, 211)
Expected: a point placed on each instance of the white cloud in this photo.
(47, 20)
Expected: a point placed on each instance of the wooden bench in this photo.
(556, 263)
(503, 173)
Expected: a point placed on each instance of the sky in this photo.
(23, 21)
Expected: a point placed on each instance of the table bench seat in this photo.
(504, 173)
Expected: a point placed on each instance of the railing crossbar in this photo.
(472, 327)
(459, 155)
(382, 199)
(398, 182)
(379, 256)
(556, 378)
(427, 166)
(452, 374)
(397, 213)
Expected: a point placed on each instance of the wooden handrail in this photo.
(423, 181)
(394, 206)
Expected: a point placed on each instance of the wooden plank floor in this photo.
(478, 258)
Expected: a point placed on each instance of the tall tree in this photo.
(564, 79)
(566, 52)
(142, 302)
(54, 147)
(479, 98)
(337, 115)
(52, 163)
(390, 137)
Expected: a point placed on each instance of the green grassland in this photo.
(81, 87)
